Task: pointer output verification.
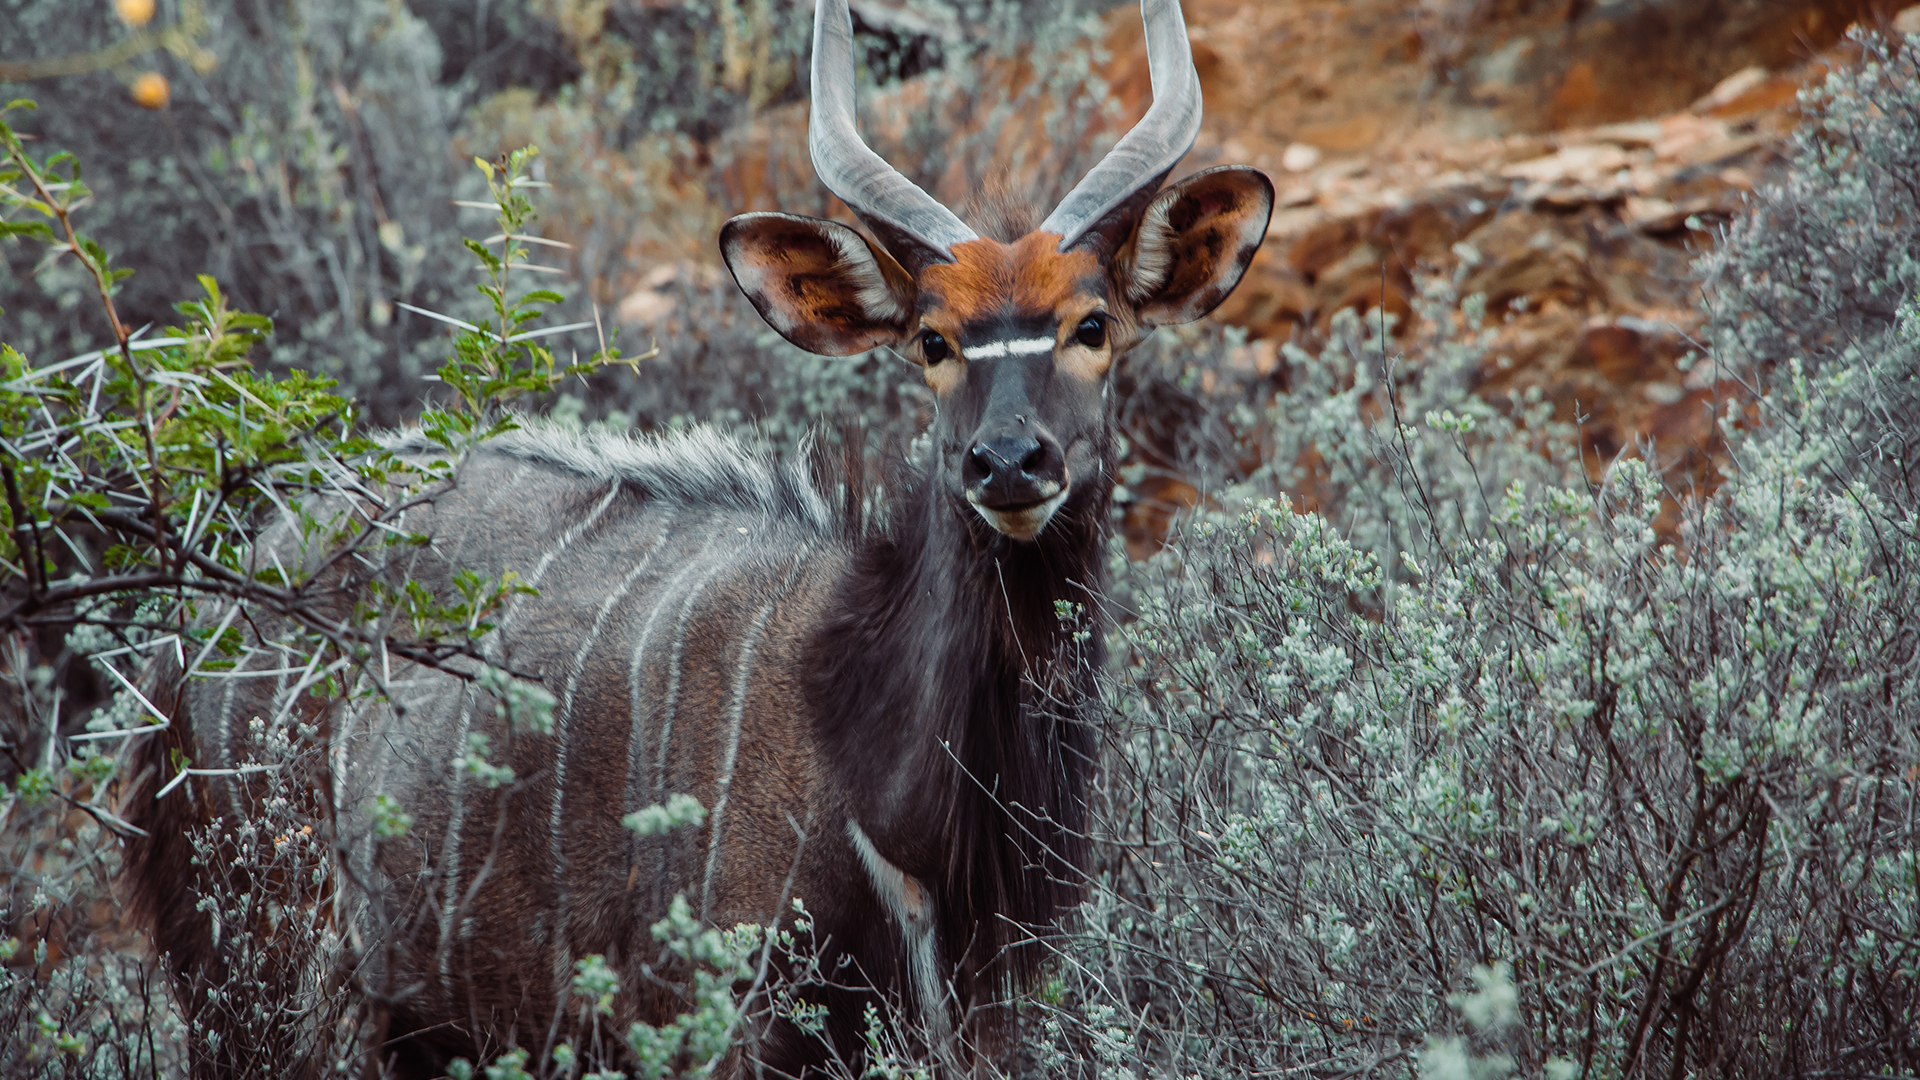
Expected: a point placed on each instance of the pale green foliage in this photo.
(1395, 462)
(390, 819)
(511, 1065)
(1472, 773)
(477, 761)
(1822, 267)
(1488, 1010)
(524, 704)
(595, 981)
(693, 1043)
(679, 809)
(884, 1058)
(1457, 762)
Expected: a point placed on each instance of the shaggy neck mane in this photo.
(951, 694)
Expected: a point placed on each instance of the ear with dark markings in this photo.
(819, 283)
(1193, 243)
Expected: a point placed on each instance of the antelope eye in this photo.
(934, 347)
(1091, 332)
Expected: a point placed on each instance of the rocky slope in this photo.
(1580, 162)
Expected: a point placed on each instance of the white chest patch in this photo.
(993, 350)
(911, 906)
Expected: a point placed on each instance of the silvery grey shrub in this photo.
(1472, 773)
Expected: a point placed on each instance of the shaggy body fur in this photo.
(711, 624)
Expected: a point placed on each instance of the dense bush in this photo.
(137, 480)
(1474, 775)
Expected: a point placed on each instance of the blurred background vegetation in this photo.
(310, 153)
(1453, 770)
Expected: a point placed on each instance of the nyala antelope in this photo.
(887, 718)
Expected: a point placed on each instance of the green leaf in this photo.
(480, 251)
(273, 575)
(38, 229)
(540, 296)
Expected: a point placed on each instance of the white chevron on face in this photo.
(993, 350)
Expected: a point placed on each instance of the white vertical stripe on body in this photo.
(636, 711)
(674, 654)
(449, 863)
(499, 634)
(572, 534)
(224, 731)
(450, 854)
(562, 730)
(736, 713)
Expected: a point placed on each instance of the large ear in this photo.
(1193, 242)
(819, 283)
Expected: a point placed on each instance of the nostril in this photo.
(980, 462)
(1005, 459)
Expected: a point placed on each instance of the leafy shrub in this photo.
(304, 162)
(1829, 262)
(1470, 774)
(137, 479)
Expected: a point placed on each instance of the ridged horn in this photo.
(898, 212)
(1132, 171)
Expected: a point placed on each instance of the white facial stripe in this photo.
(993, 350)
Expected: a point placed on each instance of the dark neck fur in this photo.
(952, 697)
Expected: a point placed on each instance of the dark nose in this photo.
(1008, 469)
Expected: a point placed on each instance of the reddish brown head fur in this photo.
(988, 280)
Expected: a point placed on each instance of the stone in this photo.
(1583, 163)
(1272, 300)
(1299, 157)
(654, 301)
(1530, 257)
(1731, 89)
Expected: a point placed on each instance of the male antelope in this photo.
(905, 694)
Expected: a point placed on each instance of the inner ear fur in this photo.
(820, 284)
(1193, 243)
